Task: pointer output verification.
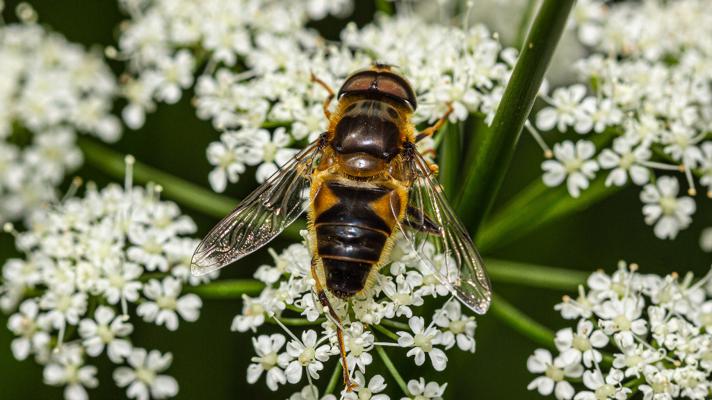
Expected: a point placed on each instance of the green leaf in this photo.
(490, 154)
(534, 207)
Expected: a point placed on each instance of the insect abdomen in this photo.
(353, 224)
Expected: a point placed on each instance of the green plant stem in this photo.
(531, 275)
(227, 289)
(520, 322)
(334, 380)
(386, 332)
(490, 154)
(188, 194)
(450, 162)
(535, 206)
(395, 324)
(392, 369)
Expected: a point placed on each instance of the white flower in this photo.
(366, 390)
(654, 328)
(647, 70)
(120, 282)
(555, 372)
(420, 390)
(669, 213)
(582, 344)
(76, 260)
(601, 389)
(166, 303)
(422, 341)
(67, 369)
(310, 392)
(564, 109)
(268, 360)
(358, 344)
(458, 328)
(623, 318)
(306, 354)
(659, 385)
(227, 157)
(106, 329)
(32, 334)
(143, 379)
(573, 163)
(625, 160)
(64, 306)
(50, 90)
(273, 151)
(403, 296)
(272, 94)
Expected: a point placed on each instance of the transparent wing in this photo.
(261, 216)
(440, 240)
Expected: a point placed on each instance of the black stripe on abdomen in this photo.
(350, 235)
(349, 241)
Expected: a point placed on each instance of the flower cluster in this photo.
(386, 316)
(88, 263)
(633, 332)
(643, 107)
(254, 76)
(50, 89)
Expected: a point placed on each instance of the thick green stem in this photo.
(520, 322)
(392, 369)
(490, 154)
(186, 193)
(227, 289)
(530, 275)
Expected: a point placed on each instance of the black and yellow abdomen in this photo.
(353, 224)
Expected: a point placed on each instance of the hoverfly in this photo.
(361, 182)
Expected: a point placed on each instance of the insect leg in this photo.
(324, 300)
(431, 130)
(328, 99)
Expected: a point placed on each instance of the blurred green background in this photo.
(210, 361)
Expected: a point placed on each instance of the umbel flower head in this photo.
(388, 319)
(642, 107)
(631, 332)
(89, 264)
(254, 76)
(50, 89)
